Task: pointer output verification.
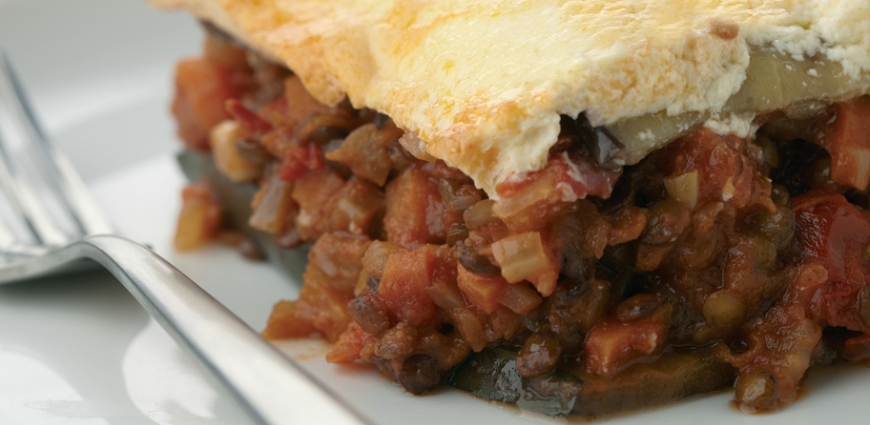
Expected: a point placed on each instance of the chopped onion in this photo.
(416, 146)
(523, 257)
(479, 214)
(229, 162)
(683, 188)
(269, 213)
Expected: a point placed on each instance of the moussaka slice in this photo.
(575, 206)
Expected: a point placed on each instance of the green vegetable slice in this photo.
(492, 374)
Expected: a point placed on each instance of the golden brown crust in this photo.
(483, 83)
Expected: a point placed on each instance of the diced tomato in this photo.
(530, 202)
(858, 348)
(847, 138)
(252, 125)
(201, 89)
(783, 341)
(722, 173)
(581, 176)
(299, 160)
(835, 233)
(407, 274)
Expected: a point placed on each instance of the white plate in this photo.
(80, 350)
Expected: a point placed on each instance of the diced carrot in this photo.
(328, 303)
(407, 274)
(482, 291)
(612, 345)
(350, 343)
(357, 206)
(314, 191)
(334, 265)
(414, 210)
(201, 88)
(375, 258)
(339, 257)
(471, 326)
(290, 319)
(199, 219)
(503, 323)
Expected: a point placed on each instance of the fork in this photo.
(270, 387)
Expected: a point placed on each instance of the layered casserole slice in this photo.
(575, 206)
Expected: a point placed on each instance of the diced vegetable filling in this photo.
(713, 258)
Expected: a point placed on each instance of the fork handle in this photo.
(271, 387)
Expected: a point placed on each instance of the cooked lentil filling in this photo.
(715, 259)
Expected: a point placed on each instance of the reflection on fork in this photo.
(52, 222)
(44, 194)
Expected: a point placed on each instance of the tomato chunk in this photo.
(835, 233)
(847, 139)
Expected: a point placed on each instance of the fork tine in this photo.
(66, 182)
(25, 201)
(7, 237)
